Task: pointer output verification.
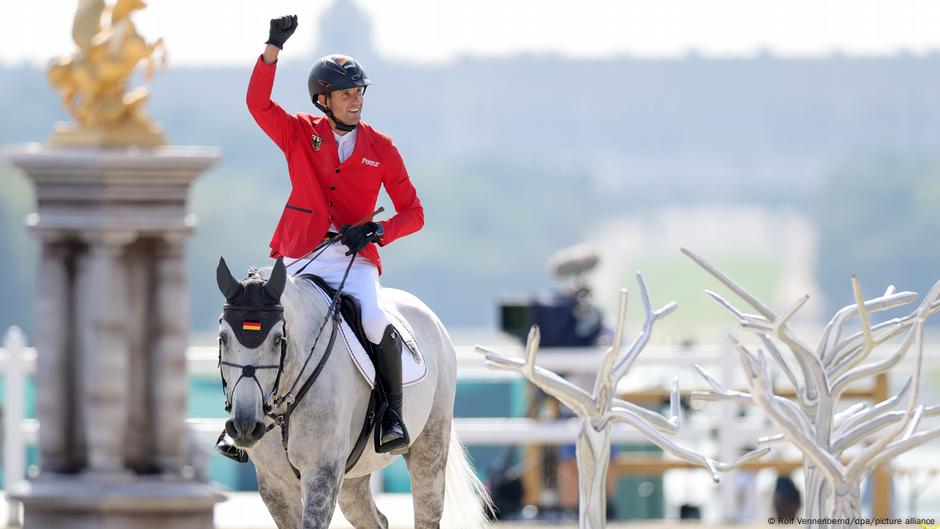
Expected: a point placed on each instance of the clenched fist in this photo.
(281, 30)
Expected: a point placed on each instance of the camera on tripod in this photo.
(567, 317)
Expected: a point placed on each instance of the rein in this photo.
(320, 248)
(292, 401)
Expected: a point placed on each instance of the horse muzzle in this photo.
(245, 432)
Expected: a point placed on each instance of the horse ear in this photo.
(275, 284)
(228, 285)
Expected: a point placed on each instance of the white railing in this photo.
(14, 442)
(730, 433)
(202, 360)
(492, 431)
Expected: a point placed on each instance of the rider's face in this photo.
(346, 105)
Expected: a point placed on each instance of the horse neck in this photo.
(304, 311)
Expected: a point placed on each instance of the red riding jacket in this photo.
(324, 191)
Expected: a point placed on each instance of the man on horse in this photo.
(337, 163)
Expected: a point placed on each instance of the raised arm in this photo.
(270, 54)
(277, 123)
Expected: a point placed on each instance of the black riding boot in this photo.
(393, 436)
(225, 447)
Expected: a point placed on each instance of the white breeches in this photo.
(362, 283)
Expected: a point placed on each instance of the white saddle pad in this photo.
(413, 366)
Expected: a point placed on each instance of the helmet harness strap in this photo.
(329, 113)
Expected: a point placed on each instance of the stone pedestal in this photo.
(79, 502)
(111, 336)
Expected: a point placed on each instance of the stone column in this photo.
(101, 310)
(169, 351)
(53, 363)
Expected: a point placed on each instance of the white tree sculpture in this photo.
(597, 410)
(820, 377)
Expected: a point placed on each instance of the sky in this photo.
(227, 31)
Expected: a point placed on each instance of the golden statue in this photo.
(93, 80)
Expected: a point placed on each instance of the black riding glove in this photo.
(357, 237)
(281, 30)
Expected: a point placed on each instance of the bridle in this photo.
(249, 370)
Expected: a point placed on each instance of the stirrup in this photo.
(397, 445)
(229, 450)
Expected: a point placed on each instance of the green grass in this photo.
(677, 278)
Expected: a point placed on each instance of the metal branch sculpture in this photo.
(821, 377)
(599, 409)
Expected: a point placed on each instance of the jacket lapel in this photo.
(328, 142)
(363, 142)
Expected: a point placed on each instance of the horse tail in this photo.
(466, 501)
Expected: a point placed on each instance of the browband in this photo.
(249, 308)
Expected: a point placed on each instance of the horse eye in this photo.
(277, 340)
(223, 339)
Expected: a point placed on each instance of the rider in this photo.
(337, 163)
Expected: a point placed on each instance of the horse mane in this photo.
(304, 307)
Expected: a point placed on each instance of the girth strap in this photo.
(367, 428)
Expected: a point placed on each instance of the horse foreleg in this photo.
(282, 500)
(320, 486)
(358, 505)
(427, 459)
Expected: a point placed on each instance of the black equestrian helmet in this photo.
(335, 72)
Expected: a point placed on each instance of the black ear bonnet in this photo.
(253, 306)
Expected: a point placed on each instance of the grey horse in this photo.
(328, 419)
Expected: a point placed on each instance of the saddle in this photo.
(364, 354)
(413, 366)
(348, 309)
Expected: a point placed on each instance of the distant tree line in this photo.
(879, 218)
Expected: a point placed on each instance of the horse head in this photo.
(252, 347)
